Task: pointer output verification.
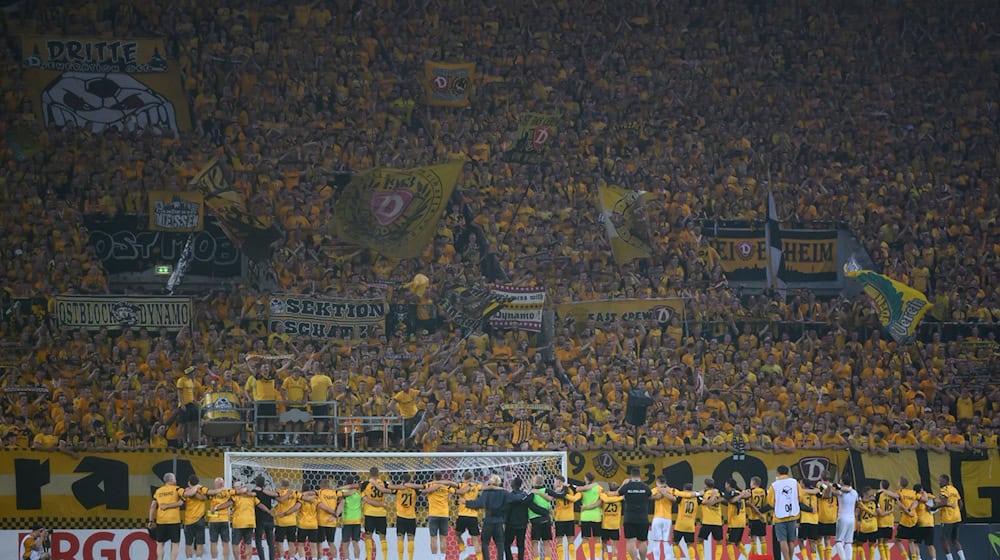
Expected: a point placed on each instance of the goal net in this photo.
(313, 469)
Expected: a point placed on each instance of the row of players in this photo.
(254, 514)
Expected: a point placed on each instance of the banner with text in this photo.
(448, 84)
(124, 244)
(535, 134)
(808, 255)
(98, 83)
(742, 252)
(394, 212)
(176, 211)
(899, 307)
(606, 312)
(468, 307)
(151, 313)
(252, 234)
(318, 317)
(523, 309)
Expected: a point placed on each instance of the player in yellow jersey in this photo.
(736, 519)
(245, 504)
(611, 520)
(949, 502)
(217, 517)
(439, 492)
(659, 531)
(809, 497)
(468, 518)
(195, 498)
(886, 500)
(925, 523)
(373, 506)
(165, 516)
(406, 514)
(284, 518)
(906, 532)
(307, 522)
(326, 514)
(757, 515)
(711, 521)
(687, 513)
(867, 512)
(829, 508)
(564, 515)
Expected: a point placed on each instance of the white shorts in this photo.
(845, 529)
(660, 529)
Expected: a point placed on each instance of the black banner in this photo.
(124, 244)
(808, 255)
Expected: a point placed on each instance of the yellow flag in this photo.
(395, 212)
(900, 307)
(624, 219)
(448, 84)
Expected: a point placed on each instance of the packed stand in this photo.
(709, 105)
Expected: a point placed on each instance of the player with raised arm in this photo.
(925, 523)
(827, 517)
(687, 512)
(711, 521)
(326, 514)
(165, 516)
(906, 531)
(886, 500)
(590, 516)
(541, 523)
(245, 504)
(439, 492)
(351, 510)
(847, 499)
(663, 501)
(757, 515)
(809, 497)
(867, 517)
(406, 513)
(949, 503)
(373, 506)
(307, 522)
(195, 498)
(263, 528)
(611, 520)
(217, 516)
(468, 519)
(736, 519)
(284, 519)
(33, 544)
(564, 512)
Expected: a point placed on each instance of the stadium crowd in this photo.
(883, 119)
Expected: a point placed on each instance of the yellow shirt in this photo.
(406, 403)
(563, 510)
(372, 492)
(328, 497)
(244, 506)
(262, 389)
(194, 507)
(471, 494)
(924, 516)
(811, 501)
(167, 494)
(736, 516)
(217, 500)
(295, 388)
(758, 497)
(611, 511)
(951, 513)
(687, 511)
(885, 502)
(437, 500)
(867, 520)
(711, 515)
(319, 387)
(307, 515)
(286, 501)
(406, 503)
(186, 387)
(828, 509)
(906, 498)
(662, 507)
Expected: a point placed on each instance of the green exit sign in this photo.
(164, 269)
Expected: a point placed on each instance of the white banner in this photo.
(523, 311)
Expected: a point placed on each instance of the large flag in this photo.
(97, 83)
(394, 212)
(535, 133)
(623, 216)
(773, 243)
(470, 307)
(900, 307)
(448, 84)
(253, 235)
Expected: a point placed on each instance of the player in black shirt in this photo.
(635, 513)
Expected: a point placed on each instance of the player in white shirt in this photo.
(847, 501)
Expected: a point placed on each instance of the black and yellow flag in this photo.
(623, 216)
(535, 134)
